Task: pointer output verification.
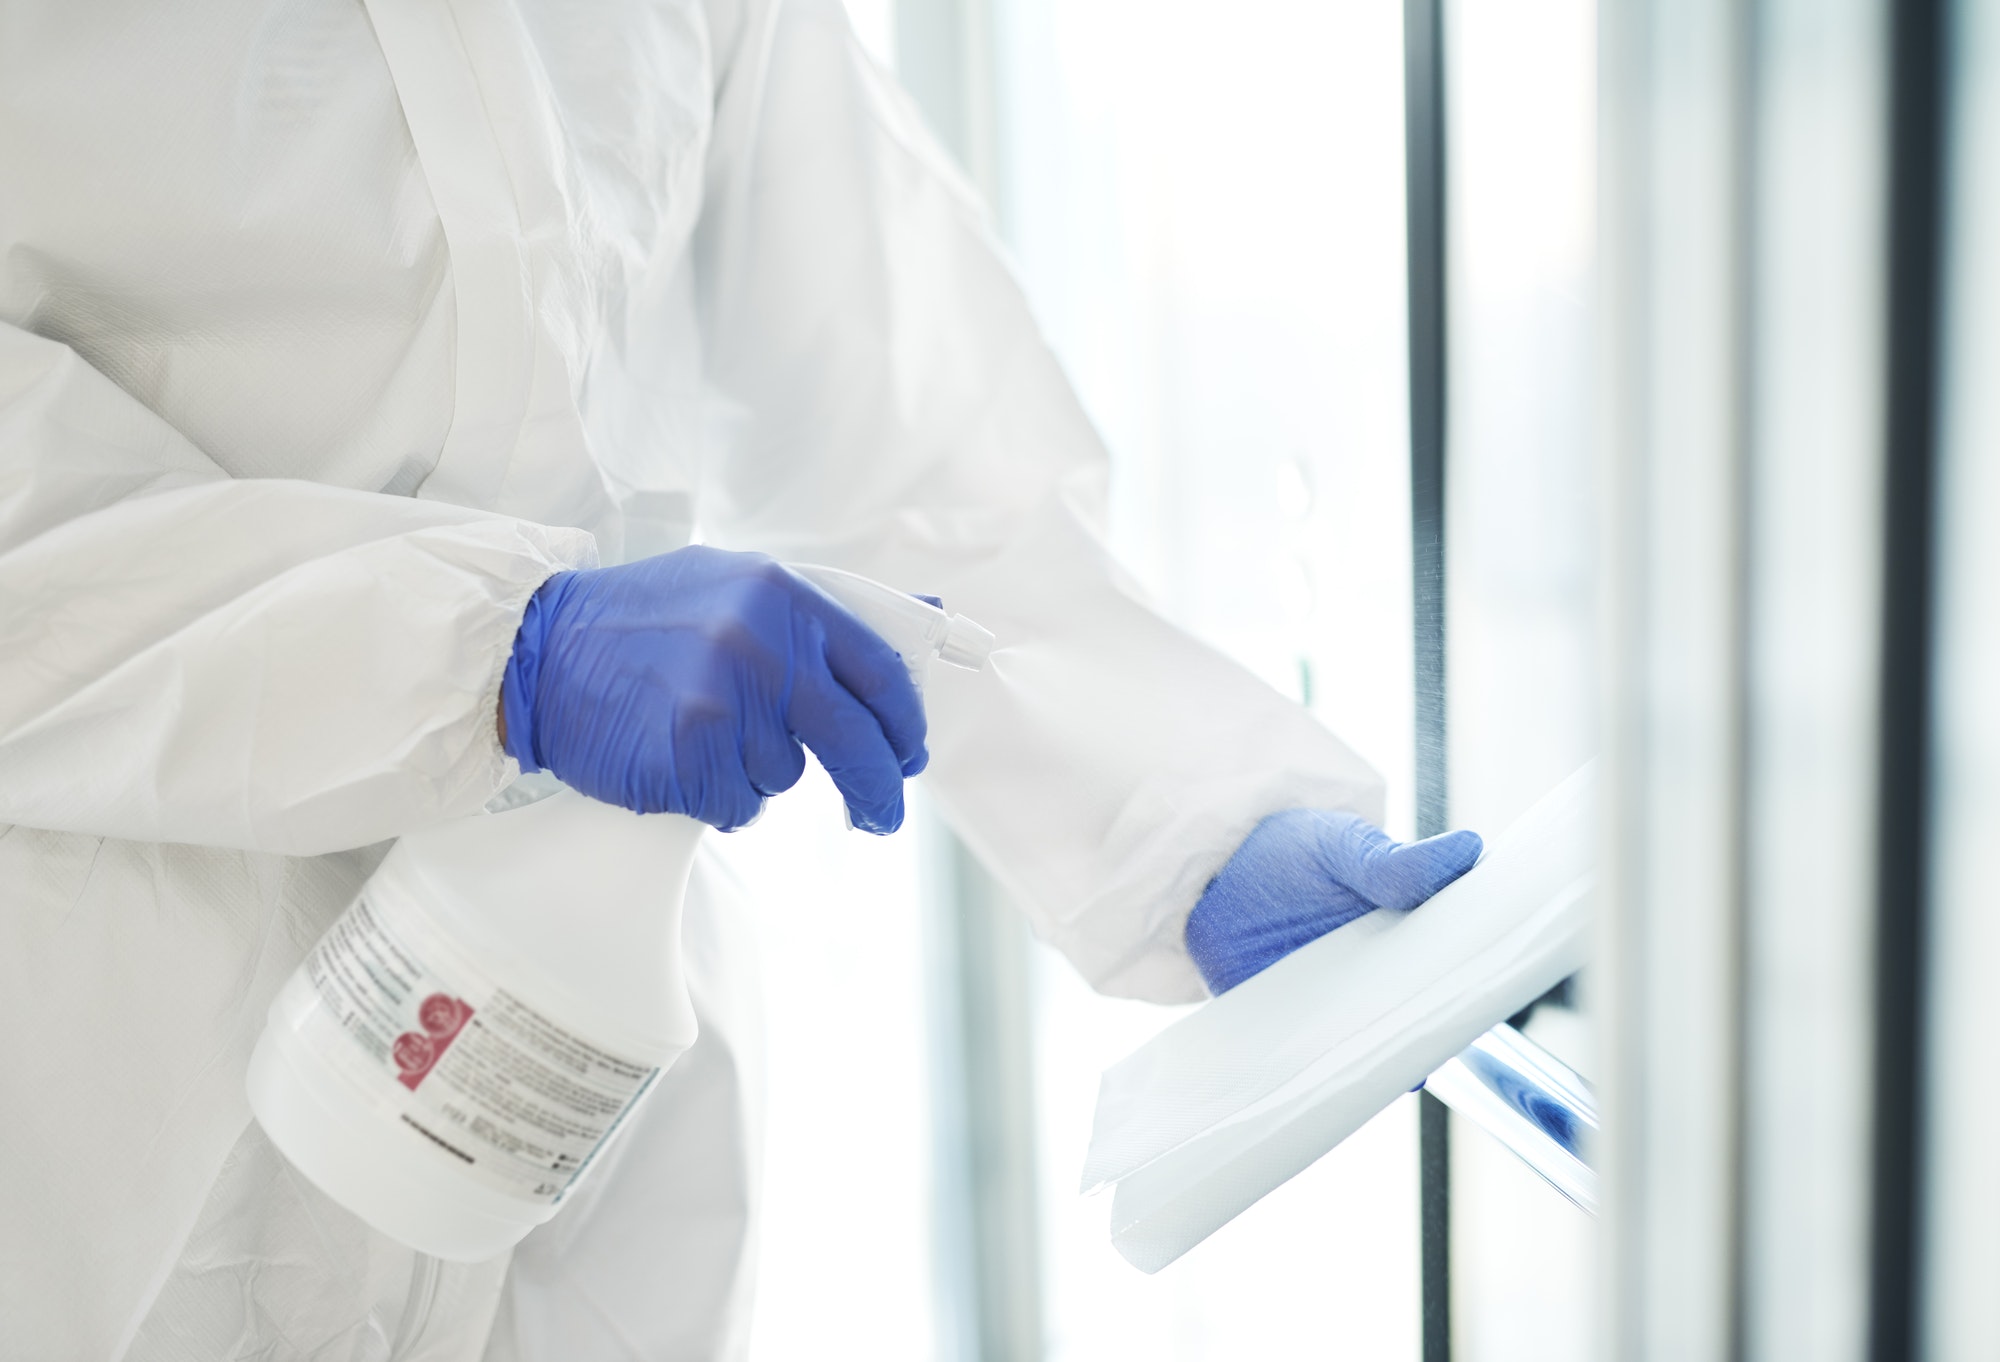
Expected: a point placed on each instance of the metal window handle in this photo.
(1530, 1101)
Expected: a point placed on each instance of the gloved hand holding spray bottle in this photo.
(466, 1038)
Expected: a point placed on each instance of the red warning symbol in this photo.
(417, 1052)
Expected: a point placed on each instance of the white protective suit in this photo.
(328, 330)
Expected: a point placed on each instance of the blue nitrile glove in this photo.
(1302, 873)
(686, 684)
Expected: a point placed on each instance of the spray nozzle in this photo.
(913, 625)
(966, 644)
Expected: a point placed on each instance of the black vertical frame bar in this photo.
(1434, 1224)
(1747, 173)
(1424, 188)
(1424, 150)
(1918, 73)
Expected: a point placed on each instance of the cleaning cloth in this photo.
(1235, 1099)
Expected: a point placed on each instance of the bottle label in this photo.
(521, 1101)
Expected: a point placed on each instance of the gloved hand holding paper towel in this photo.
(1239, 1097)
(1306, 872)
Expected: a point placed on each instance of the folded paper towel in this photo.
(1237, 1098)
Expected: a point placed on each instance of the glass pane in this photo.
(1208, 219)
(1521, 663)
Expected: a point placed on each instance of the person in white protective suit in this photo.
(329, 332)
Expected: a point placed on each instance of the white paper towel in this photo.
(1237, 1098)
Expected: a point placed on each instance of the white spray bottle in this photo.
(468, 1036)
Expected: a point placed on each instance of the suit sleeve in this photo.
(886, 404)
(253, 663)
